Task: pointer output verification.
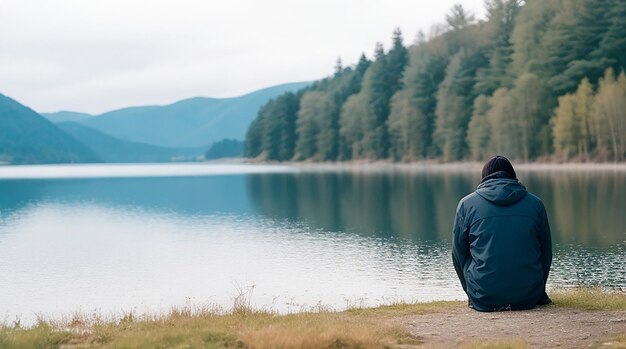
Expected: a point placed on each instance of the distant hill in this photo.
(192, 122)
(63, 116)
(112, 149)
(27, 137)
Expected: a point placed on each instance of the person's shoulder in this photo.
(468, 199)
(534, 198)
(536, 203)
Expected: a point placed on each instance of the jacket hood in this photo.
(501, 191)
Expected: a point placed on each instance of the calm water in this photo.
(146, 238)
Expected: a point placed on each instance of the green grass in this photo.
(586, 298)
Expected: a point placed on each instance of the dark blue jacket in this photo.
(502, 249)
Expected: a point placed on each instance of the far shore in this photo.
(444, 166)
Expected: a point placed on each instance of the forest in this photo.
(536, 80)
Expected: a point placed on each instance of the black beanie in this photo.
(498, 164)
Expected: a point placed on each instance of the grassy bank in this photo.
(247, 328)
(589, 299)
(241, 328)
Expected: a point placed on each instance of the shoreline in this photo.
(445, 167)
(579, 317)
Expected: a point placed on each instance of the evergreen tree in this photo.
(459, 32)
(253, 144)
(279, 134)
(344, 85)
(386, 80)
(396, 61)
(362, 65)
(272, 131)
(501, 16)
(467, 90)
(338, 66)
(613, 44)
(458, 18)
(528, 36)
(573, 36)
(454, 105)
(350, 131)
(423, 77)
(374, 92)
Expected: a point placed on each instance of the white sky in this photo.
(97, 55)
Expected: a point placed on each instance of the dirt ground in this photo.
(542, 327)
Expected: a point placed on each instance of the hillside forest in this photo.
(537, 80)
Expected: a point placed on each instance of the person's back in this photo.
(502, 249)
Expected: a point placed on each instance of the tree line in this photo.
(537, 79)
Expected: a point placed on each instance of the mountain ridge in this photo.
(27, 137)
(191, 122)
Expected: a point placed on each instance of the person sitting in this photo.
(502, 249)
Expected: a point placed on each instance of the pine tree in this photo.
(375, 92)
(574, 34)
(349, 126)
(386, 78)
(423, 79)
(501, 16)
(528, 36)
(458, 18)
(254, 137)
(612, 47)
(454, 105)
(338, 66)
(279, 134)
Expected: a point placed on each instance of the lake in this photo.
(144, 238)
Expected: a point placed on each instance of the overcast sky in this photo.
(98, 55)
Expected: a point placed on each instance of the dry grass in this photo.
(247, 328)
(586, 298)
(242, 328)
(619, 342)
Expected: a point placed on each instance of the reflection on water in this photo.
(335, 238)
(585, 208)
